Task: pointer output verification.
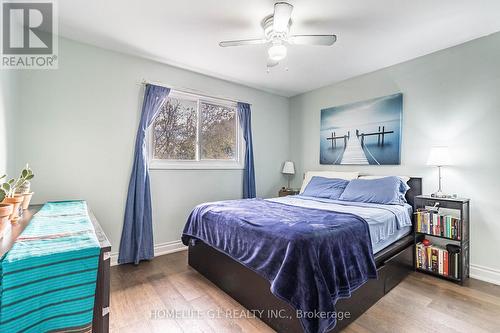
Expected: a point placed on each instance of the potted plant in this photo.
(24, 188)
(9, 189)
(5, 211)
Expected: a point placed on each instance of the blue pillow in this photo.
(387, 191)
(322, 187)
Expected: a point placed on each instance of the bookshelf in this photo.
(444, 223)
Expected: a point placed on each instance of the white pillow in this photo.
(403, 178)
(327, 174)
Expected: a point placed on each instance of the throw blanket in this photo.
(311, 257)
(48, 278)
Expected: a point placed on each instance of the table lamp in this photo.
(289, 170)
(439, 156)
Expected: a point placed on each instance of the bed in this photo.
(233, 265)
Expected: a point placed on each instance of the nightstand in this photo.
(287, 191)
(444, 222)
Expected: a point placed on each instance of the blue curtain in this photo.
(249, 172)
(137, 235)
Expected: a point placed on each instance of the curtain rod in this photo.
(190, 91)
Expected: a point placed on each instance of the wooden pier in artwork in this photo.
(353, 146)
(380, 134)
(334, 139)
(353, 153)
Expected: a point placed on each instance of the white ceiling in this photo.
(371, 34)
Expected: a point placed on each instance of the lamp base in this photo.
(439, 193)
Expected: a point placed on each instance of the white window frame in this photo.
(199, 164)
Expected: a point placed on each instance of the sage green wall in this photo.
(9, 95)
(77, 128)
(451, 97)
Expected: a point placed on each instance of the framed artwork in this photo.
(362, 133)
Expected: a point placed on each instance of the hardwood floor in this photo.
(143, 297)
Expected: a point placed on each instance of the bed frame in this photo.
(253, 291)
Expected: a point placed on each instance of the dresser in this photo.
(100, 321)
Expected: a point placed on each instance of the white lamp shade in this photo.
(288, 168)
(439, 156)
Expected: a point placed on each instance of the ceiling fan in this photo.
(277, 35)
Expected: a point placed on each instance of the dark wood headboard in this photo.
(415, 189)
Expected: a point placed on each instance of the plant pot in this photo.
(27, 199)
(5, 212)
(24, 188)
(16, 202)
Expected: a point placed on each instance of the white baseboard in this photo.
(485, 274)
(160, 249)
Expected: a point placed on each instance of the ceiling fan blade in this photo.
(272, 63)
(326, 40)
(281, 17)
(242, 42)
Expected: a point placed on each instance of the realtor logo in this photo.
(29, 36)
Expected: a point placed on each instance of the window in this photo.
(195, 132)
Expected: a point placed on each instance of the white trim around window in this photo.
(200, 164)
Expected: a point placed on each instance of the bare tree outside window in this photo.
(217, 132)
(174, 130)
(192, 128)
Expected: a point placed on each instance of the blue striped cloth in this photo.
(48, 278)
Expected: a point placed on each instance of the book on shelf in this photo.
(432, 223)
(439, 260)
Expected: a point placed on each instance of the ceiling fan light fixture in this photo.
(277, 52)
(277, 35)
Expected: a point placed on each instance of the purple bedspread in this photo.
(311, 257)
